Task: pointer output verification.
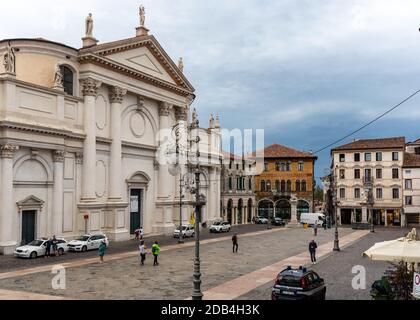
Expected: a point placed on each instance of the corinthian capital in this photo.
(58, 156)
(181, 113)
(164, 108)
(8, 150)
(116, 94)
(90, 86)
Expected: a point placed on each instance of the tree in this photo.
(318, 193)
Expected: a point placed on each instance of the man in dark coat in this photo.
(312, 251)
(235, 243)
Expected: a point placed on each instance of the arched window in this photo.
(230, 183)
(303, 185)
(297, 185)
(277, 185)
(283, 186)
(67, 79)
(268, 185)
(262, 185)
(289, 185)
(250, 183)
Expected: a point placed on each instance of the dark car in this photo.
(298, 284)
(278, 222)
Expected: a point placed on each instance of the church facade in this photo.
(81, 131)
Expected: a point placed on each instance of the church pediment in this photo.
(140, 57)
(30, 201)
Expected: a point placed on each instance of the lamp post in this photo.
(181, 236)
(368, 185)
(199, 202)
(335, 203)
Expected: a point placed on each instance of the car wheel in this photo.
(192, 235)
(84, 249)
(33, 255)
(228, 230)
(60, 251)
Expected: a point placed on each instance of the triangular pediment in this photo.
(30, 201)
(139, 54)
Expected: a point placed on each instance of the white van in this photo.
(311, 217)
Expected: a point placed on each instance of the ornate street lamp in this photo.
(335, 203)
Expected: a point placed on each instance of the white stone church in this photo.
(80, 134)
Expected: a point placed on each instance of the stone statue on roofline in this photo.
(211, 122)
(181, 64)
(142, 14)
(58, 77)
(89, 26)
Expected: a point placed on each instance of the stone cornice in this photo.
(40, 129)
(113, 65)
(58, 156)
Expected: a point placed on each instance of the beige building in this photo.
(411, 183)
(237, 186)
(378, 161)
(82, 139)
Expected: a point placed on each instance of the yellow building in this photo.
(286, 180)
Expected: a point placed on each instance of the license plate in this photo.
(290, 293)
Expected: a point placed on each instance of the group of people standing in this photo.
(51, 243)
(143, 252)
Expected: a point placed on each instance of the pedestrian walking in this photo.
(137, 233)
(142, 248)
(315, 227)
(155, 252)
(47, 248)
(54, 242)
(141, 233)
(312, 251)
(235, 243)
(101, 252)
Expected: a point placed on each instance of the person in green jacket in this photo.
(102, 249)
(155, 252)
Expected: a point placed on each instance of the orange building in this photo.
(286, 174)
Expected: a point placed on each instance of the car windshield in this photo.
(216, 223)
(184, 227)
(36, 243)
(82, 238)
(290, 281)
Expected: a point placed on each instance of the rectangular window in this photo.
(395, 173)
(243, 165)
(357, 193)
(378, 156)
(342, 174)
(230, 183)
(357, 173)
(250, 183)
(237, 166)
(408, 200)
(368, 175)
(277, 166)
(408, 184)
(368, 156)
(288, 166)
(378, 193)
(342, 192)
(300, 166)
(395, 156)
(356, 157)
(265, 166)
(395, 193)
(230, 164)
(378, 173)
(268, 185)
(342, 157)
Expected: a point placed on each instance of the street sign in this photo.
(416, 284)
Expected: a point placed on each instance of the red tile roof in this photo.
(411, 160)
(279, 151)
(384, 143)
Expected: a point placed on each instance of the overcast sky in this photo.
(308, 72)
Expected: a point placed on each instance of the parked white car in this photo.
(87, 242)
(220, 226)
(261, 220)
(37, 247)
(187, 231)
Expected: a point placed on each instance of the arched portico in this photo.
(283, 209)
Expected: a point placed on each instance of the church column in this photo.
(8, 213)
(164, 180)
(57, 212)
(90, 90)
(116, 96)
